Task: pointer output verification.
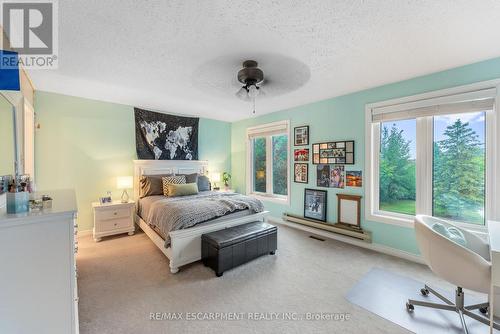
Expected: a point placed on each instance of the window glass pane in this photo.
(259, 164)
(397, 166)
(459, 167)
(280, 164)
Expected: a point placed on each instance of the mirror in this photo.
(7, 139)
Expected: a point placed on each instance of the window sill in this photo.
(408, 222)
(389, 219)
(270, 198)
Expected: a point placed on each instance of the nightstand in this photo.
(113, 218)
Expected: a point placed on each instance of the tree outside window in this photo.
(459, 167)
(259, 163)
(270, 164)
(280, 165)
(397, 167)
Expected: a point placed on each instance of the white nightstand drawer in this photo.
(114, 218)
(112, 213)
(114, 224)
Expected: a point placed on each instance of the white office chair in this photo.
(464, 262)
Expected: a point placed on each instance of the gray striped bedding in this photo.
(175, 213)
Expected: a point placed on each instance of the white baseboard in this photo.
(84, 233)
(375, 247)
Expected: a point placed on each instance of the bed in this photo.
(183, 245)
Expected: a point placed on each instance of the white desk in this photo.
(494, 240)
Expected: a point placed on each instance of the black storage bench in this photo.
(228, 248)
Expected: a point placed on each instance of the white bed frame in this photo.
(185, 245)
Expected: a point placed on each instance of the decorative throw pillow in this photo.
(175, 190)
(203, 183)
(191, 178)
(176, 179)
(151, 185)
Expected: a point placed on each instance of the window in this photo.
(280, 165)
(434, 154)
(268, 161)
(459, 158)
(397, 191)
(259, 164)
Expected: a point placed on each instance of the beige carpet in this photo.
(123, 279)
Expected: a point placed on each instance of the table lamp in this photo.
(215, 177)
(124, 182)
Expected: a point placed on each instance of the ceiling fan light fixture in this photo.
(253, 91)
(242, 93)
(250, 76)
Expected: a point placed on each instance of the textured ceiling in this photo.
(183, 56)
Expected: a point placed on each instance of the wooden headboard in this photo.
(155, 167)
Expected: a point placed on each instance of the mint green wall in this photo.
(342, 118)
(7, 156)
(84, 144)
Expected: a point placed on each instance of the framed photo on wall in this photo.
(301, 135)
(315, 204)
(349, 210)
(301, 173)
(301, 154)
(354, 178)
(337, 176)
(335, 152)
(323, 175)
(330, 176)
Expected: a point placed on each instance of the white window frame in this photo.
(424, 155)
(267, 130)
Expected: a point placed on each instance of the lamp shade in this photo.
(215, 177)
(124, 182)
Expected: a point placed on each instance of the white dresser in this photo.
(38, 286)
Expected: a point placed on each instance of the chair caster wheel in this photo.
(409, 307)
(424, 292)
(483, 310)
(218, 274)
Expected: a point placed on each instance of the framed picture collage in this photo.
(330, 159)
(336, 152)
(301, 155)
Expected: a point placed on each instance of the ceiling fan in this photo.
(252, 79)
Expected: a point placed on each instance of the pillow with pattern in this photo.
(190, 178)
(151, 185)
(175, 179)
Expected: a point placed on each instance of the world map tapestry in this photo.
(165, 137)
